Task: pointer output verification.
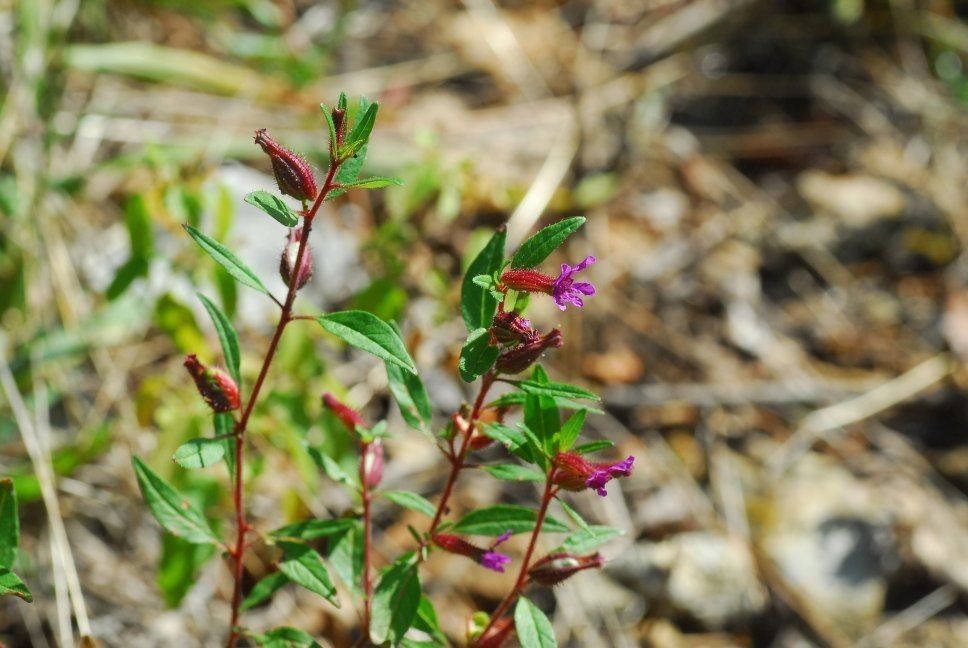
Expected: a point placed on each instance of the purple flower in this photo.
(603, 474)
(495, 560)
(568, 291)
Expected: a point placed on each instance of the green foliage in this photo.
(227, 338)
(10, 583)
(512, 472)
(200, 453)
(499, 518)
(537, 248)
(395, 601)
(533, 627)
(225, 258)
(172, 510)
(585, 540)
(411, 501)
(368, 332)
(303, 566)
(274, 206)
(179, 565)
(477, 355)
(286, 637)
(477, 304)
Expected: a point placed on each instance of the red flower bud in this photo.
(371, 466)
(293, 174)
(288, 260)
(216, 387)
(529, 281)
(511, 328)
(524, 355)
(556, 567)
(339, 121)
(350, 418)
(500, 632)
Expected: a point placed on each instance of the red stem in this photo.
(457, 463)
(241, 427)
(367, 542)
(522, 580)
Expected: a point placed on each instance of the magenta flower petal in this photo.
(604, 474)
(494, 560)
(566, 290)
(502, 538)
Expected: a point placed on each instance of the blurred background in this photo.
(776, 193)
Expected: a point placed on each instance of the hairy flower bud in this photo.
(216, 387)
(288, 261)
(350, 418)
(292, 172)
(519, 358)
(575, 473)
(339, 122)
(527, 280)
(500, 632)
(371, 467)
(511, 328)
(556, 567)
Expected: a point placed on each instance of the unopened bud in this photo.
(293, 174)
(371, 466)
(216, 387)
(526, 280)
(511, 328)
(350, 418)
(288, 261)
(556, 567)
(524, 355)
(339, 121)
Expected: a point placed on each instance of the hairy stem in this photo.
(238, 491)
(522, 580)
(457, 462)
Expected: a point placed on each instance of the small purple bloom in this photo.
(568, 291)
(494, 560)
(604, 474)
(502, 538)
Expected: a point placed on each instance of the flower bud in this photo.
(488, 558)
(293, 174)
(556, 567)
(350, 418)
(216, 387)
(371, 466)
(511, 328)
(499, 633)
(527, 280)
(288, 260)
(524, 355)
(339, 122)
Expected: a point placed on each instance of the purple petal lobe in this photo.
(494, 561)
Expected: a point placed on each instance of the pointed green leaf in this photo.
(570, 430)
(585, 540)
(303, 566)
(495, 520)
(225, 431)
(368, 332)
(274, 206)
(477, 355)
(561, 390)
(226, 337)
(328, 114)
(395, 601)
(200, 453)
(411, 501)
(426, 621)
(374, 182)
(513, 472)
(314, 529)
(573, 514)
(264, 589)
(366, 118)
(346, 556)
(9, 524)
(533, 627)
(477, 305)
(286, 637)
(10, 584)
(410, 394)
(593, 446)
(537, 248)
(172, 510)
(225, 258)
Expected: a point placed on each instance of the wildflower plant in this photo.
(503, 347)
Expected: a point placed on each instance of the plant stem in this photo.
(241, 427)
(549, 493)
(457, 463)
(367, 541)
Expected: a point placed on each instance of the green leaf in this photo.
(346, 556)
(537, 248)
(200, 453)
(395, 601)
(179, 566)
(570, 430)
(585, 540)
(226, 337)
(411, 395)
(328, 114)
(563, 390)
(224, 430)
(541, 414)
(573, 514)
(348, 170)
(332, 469)
(477, 305)
(513, 472)
(514, 398)
(274, 206)
(533, 627)
(225, 258)
(172, 510)
(477, 355)
(374, 182)
(365, 120)
(286, 637)
(264, 589)
(514, 440)
(426, 621)
(368, 332)
(593, 446)
(495, 520)
(10, 584)
(303, 566)
(411, 501)
(9, 524)
(314, 529)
